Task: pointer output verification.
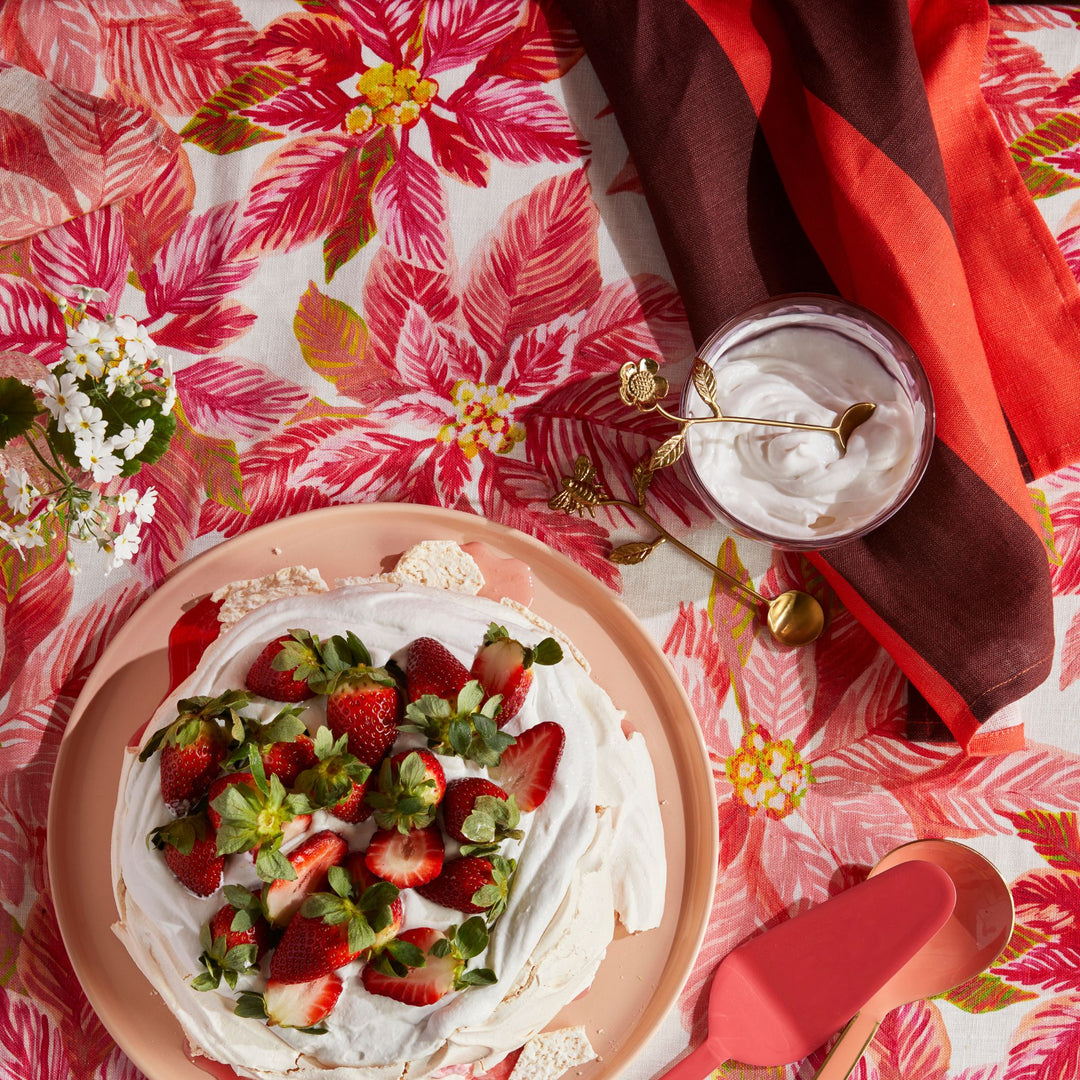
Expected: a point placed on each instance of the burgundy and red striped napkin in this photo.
(845, 147)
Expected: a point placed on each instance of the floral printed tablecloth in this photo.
(400, 259)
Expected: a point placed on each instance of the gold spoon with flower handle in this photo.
(794, 617)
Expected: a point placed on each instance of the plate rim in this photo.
(178, 580)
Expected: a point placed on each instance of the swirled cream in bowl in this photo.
(807, 359)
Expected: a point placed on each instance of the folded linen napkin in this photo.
(845, 147)
(64, 153)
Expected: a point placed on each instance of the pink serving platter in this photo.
(642, 974)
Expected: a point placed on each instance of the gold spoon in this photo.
(851, 418)
(794, 617)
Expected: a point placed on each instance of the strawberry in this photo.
(476, 811)
(233, 940)
(311, 862)
(431, 668)
(428, 964)
(281, 670)
(464, 726)
(287, 759)
(363, 879)
(366, 707)
(472, 884)
(332, 929)
(193, 746)
(189, 845)
(410, 786)
(283, 744)
(294, 1005)
(218, 786)
(336, 780)
(504, 666)
(527, 768)
(405, 859)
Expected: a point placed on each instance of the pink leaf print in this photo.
(384, 25)
(195, 267)
(321, 107)
(540, 264)
(208, 330)
(912, 1041)
(1046, 1045)
(1069, 243)
(1017, 85)
(542, 48)
(154, 213)
(1070, 654)
(30, 1042)
(179, 60)
(38, 607)
(23, 150)
(410, 207)
(231, 397)
(516, 121)
(117, 1066)
(268, 471)
(702, 662)
(459, 32)
(455, 153)
(1065, 516)
(309, 46)
(638, 316)
(88, 250)
(1054, 836)
(300, 192)
(390, 287)
(422, 354)
(29, 321)
(66, 39)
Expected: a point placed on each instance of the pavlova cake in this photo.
(383, 830)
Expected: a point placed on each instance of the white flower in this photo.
(170, 395)
(86, 423)
(133, 440)
(88, 522)
(61, 396)
(116, 372)
(144, 510)
(124, 544)
(98, 460)
(27, 535)
(19, 492)
(88, 343)
(126, 501)
(87, 293)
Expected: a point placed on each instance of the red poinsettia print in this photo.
(378, 103)
(478, 389)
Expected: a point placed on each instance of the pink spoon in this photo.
(969, 942)
(782, 994)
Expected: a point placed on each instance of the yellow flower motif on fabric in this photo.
(392, 96)
(482, 422)
(767, 774)
(640, 385)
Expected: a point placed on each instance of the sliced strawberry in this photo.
(281, 670)
(476, 811)
(366, 707)
(504, 666)
(408, 790)
(233, 941)
(218, 786)
(193, 747)
(336, 780)
(311, 862)
(189, 845)
(406, 859)
(301, 1005)
(527, 768)
(421, 985)
(364, 879)
(472, 884)
(431, 668)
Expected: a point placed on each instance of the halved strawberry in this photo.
(294, 1005)
(477, 811)
(193, 746)
(504, 666)
(408, 790)
(281, 670)
(311, 862)
(431, 668)
(472, 884)
(527, 768)
(233, 940)
(337, 781)
(406, 859)
(189, 845)
(441, 966)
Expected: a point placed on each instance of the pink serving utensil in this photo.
(782, 994)
(969, 942)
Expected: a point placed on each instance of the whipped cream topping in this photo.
(589, 855)
(799, 485)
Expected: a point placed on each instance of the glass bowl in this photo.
(805, 358)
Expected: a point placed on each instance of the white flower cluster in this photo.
(103, 360)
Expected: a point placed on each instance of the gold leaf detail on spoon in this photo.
(705, 384)
(636, 552)
(641, 479)
(668, 452)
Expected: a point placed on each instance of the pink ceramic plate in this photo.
(642, 974)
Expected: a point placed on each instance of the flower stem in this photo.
(61, 476)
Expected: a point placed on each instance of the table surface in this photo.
(320, 363)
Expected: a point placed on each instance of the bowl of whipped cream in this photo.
(806, 358)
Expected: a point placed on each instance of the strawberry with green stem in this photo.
(408, 790)
(504, 667)
(190, 847)
(337, 781)
(476, 811)
(464, 727)
(280, 672)
(233, 941)
(255, 818)
(283, 743)
(473, 884)
(431, 668)
(194, 745)
(311, 862)
(303, 1006)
